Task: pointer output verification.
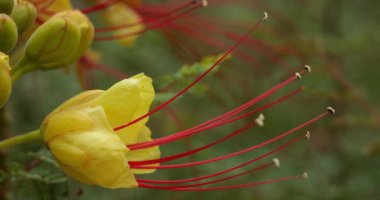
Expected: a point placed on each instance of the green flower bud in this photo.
(6, 6)
(5, 79)
(8, 33)
(86, 28)
(52, 45)
(57, 43)
(24, 14)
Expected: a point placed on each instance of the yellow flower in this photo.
(79, 133)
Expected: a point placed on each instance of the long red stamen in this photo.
(221, 59)
(99, 6)
(143, 185)
(261, 167)
(155, 26)
(248, 126)
(191, 131)
(190, 164)
(223, 171)
(144, 21)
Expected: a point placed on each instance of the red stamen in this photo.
(248, 126)
(99, 6)
(190, 164)
(221, 59)
(155, 26)
(143, 185)
(186, 133)
(261, 167)
(144, 21)
(223, 171)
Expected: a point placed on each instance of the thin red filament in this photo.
(221, 59)
(143, 185)
(223, 171)
(191, 164)
(246, 127)
(261, 167)
(144, 21)
(154, 26)
(99, 6)
(191, 131)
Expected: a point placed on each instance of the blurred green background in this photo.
(339, 39)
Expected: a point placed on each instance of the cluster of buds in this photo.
(56, 43)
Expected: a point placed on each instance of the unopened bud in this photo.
(6, 6)
(8, 33)
(5, 79)
(24, 14)
(87, 30)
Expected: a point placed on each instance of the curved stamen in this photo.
(246, 127)
(223, 171)
(196, 163)
(221, 59)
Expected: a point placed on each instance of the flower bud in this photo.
(24, 14)
(58, 42)
(52, 45)
(6, 6)
(79, 133)
(5, 79)
(8, 33)
(120, 14)
(87, 30)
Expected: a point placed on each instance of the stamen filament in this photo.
(196, 163)
(246, 127)
(261, 167)
(143, 185)
(186, 133)
(99, 6)
(158, 25)
(223, 171)
(221, 59)
(143, 21)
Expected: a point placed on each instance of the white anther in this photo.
(298, 75)
(305, 175)
(331, 110)
(260, 120)
(307, 135)
(266, 16)
(204, 3)
(276, 162)
(308, 68)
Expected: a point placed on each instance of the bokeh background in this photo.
(338, 38)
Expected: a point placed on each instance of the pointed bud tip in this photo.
(276, 162)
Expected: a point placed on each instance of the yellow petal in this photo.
(94, 151)
(126, 101)
(144, 154)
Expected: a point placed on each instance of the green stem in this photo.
(20, 139)
(18, 71)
